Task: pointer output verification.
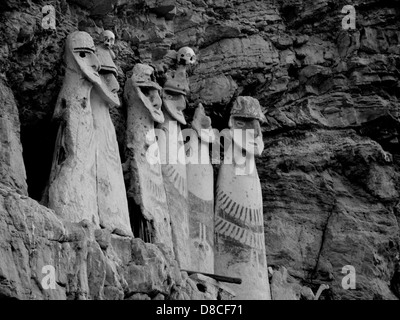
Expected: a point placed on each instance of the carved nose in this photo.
(114, 84)
(155, 100)
(257, 129)
(96, 63)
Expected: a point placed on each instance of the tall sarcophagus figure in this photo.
(146, 185)
(86, 180)
(239, 224)
(172, 154)
(200, 177)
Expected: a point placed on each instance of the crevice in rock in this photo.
(302, 254)
(293, 72)
(141, 227)
(372, 5)
(395, 282)
(385, 130)
(38, 143)
(323, 239)
(5, 297)
(201, 287)
(289, 13)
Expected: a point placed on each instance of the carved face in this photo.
(109, 86)
(152, 101)
(174, 103)
(80, 48)
(108, 38)
(148, 90)
(202, 124)
(186, 56)
(247, 134)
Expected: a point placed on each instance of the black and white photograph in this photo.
(200, 157)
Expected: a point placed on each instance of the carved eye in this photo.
(145, 91)
(82, 54)
(240, 124)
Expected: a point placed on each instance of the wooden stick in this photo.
(217, 277)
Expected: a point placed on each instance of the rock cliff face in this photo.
(329, 172)
(88, 263)
(12, 168)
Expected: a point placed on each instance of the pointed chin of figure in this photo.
(108, 89)
(152, 102)
(259, 146)
(245, 141)
(175, 108)
(156, 114)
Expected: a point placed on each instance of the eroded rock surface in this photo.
(329, 172)
(89, 263)
(12, 168)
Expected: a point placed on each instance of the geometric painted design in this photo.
(157, 191)
(249, 216)
(174, 176)
(200, 206)
(246, 237)
(156, 170)
(201, 240)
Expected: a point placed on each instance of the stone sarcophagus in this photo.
(146, 186)
(86, 179)
(71, 191)
(111, 191)
(173, 160)
(200, 177)
(239, 224)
